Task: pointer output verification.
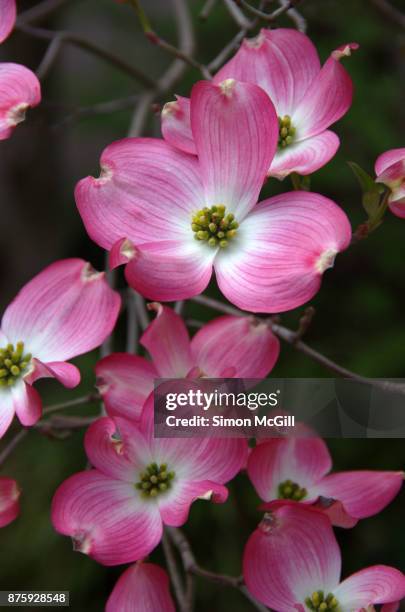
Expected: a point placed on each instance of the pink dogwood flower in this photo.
(308, 98)
(227, 347)
(19, 90)
(390, 170)
(293, 562)
(143, 587)
(176, 218)
(66, 310)
(298, 469)
(115, 512)
(8, 14)
(9, 500)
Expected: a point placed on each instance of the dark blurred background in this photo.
(359, 312)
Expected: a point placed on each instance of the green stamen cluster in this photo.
(13, 363)
(214, 226)
(154, 480)
(318, 602)
(291, 490)
(286, 131)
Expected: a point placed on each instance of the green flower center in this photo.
(13, 363)
(155, 480)
(214, 226)
(318, 601)
(286, 132)
(291, 490)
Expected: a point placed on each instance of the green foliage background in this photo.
(359, 321)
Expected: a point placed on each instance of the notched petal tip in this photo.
(344, 51)
(267, 523)
(17, 113)
(81, 542)
(227, 87)
(171, 108)
(256, 42)
(325, 260)
(208, 495)
(101, 385)
(155, 307)
(106, 173)
(89, 274)
(122, 252)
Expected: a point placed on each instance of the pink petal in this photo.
(305, 156)
(121, 253)
(391, 607)
(155, 190)
(235, 130)
(397, 205)
(9, 504)
(378, 584)
(362, 493)
(328, 98)
(281, 250)
(116, 448)
(387, 159)
(336, 512)
(176, 125)
(167, 341)
(175, 507)
(65, 373)
(241, 343)
(284, 62)
(27, 403)
(292, 554)
(7, 410)
(169, 271)
(124, 382)
(19, 90)
(302, 460)
(66, 310)
(106, 518)
(143, 587)
(8, 14)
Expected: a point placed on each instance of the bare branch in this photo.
(14, 442)
(43, 9)
(390, 12)
(237, 15)
(174, 574)
(207, 8)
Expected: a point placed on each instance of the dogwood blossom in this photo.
(390, 170)
(227, 347)
(66, 310)
(9, 500)
(297, 469)
(19, 90)
(143, 587)
(115, 512)
(308, 98)
(176, 218)
(293, 562)
(8, 13)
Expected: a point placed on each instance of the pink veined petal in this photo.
(284, 62)
(143, 587)
(306, 156)
(336, 512)
(397, 205)
(66, 310)
(8, 14)
(387, 159)
(175, 507)
(276, 261)
(176, 125)
(117, 448)
(378, 584)
(362, 493)
(155, 190)
(167, 271)
(7, 410)
(235, 130)
(124, 382)
(242, 343)
(328, 98)
(167, 341)
(65, 373)
(302, 460)
(394, 175)
(19, 90)
(27, 403)
(121, 253)
(9, 504)
(292, 554)
(106, 518)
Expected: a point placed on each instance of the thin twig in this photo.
(390, 12)
(132, 322)
(174, 573)
(191, 567)
(143, 316)
(240, 19)
(43, 9)
(12, 445)
(295, 16)
(89, 46)
(179, 306)
(269, 17)
(206, 9)
(79, 401)
(49, 58)
(103, 108)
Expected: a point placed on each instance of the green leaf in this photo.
(371, 203)
(367, 183)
